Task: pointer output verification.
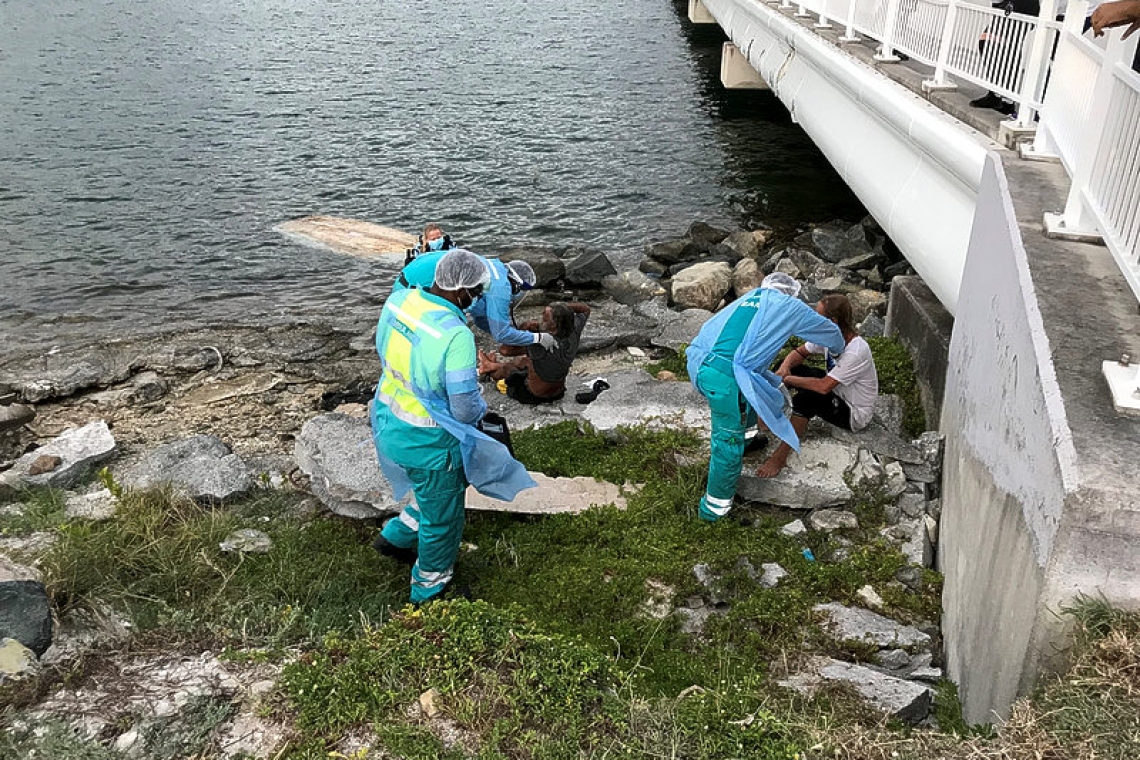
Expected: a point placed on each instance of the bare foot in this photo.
(772, 467)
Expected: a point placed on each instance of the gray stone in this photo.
(635, 397)
(931, 532)
(875, 438)
(865, 627)
(14, 416)
(911, 577)
(867, 471)
(700, 232)
(810, 294)
(931, 444)
(744, 243)
(930, 674)
(772, 574)
(893, 659)
(337, 453)
(632, 287)
(835, 245)
(864, 260)
(872, 326)
(548, 267)
(669, 252)
(813, 478)
(889, 413)
(201, 467)
(901, 700)
(148, 387)
(895, 484)
(934, 508)
(613, 325)
(870, 597)
(247, 541)
(913, 541)
(788, 267)
(67, 375)
(746, 276)
(919, 473)
(25, 614)
(865, 302)
(588, 269)
(97, 505)
(810, 265)
(828, 520)
(17, 662)
(11, 570)
(653, 267)
(703, 285)
(693, 619)
(794, 528)
(79, 449)
(769, 264)
(912, 505)
(679, 328)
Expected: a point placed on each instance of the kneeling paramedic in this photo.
(728, 362)
(424, 420)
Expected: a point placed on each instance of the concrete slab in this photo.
(813, 477)
(552, 496)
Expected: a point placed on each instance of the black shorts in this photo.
(518, 390)
(827, 406)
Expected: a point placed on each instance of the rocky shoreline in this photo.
(221, 413)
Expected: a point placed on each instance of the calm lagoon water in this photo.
(147, 149)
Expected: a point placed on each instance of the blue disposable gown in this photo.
(778, 317)
(492, 312)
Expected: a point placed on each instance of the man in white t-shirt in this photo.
(844, 395)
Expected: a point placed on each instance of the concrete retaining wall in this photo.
(921, 323)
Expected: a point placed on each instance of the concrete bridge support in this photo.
(736, 73)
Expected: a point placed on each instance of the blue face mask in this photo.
(435, 245)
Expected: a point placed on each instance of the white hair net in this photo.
(782, 282)
(523, 272)
(460, 268)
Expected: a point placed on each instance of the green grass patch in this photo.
(672, 362)
(39, 509)
(896, 375)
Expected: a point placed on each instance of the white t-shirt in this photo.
(858, 379)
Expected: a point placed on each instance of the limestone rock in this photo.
(679, 328)
(866, 470)
(746, 276)
(866, 627)
(794, 528)
(337, 453)
(912, 505)
(828, 520)
(97, 505)
(813, 478)
(889, 413)
(588, 269)
(893, 659)
(894, 697)
(658, 604)
(10, 570)
(772, 574)
(703, 285)
(869, 596)
(247, 541)
(15, 415)
(201, 467)
(919, 473)
(25, 614)
(914, 541)
(744, 243)
(895, 485)
(632, 287)
(788, 267)
(78, 450)
(17, 662)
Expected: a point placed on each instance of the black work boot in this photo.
(388, 549)
(586, 397)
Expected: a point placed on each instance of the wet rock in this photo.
(635, 397)
(746, 276)
(25, 614)
(702, 286)
(337, 453)
(744, 243)
(794, 528)
(653, 267)
(772, 574)
(97, 505)
(247, 541)
(678, 329)
(813, 478)
(588, 269)
(548, 267)
(893, 697)
(15, 415)
(67, 375)
(201, 467)
(78, 450)
(865, 627)
(700, 232)
(872, 326)
(829, 520)
(17, 662)
(632, 287)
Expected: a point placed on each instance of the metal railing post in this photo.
(823, 23)
(849, 34)
(886, 53)
(802, 12)
(1036, 68)
(939, 80)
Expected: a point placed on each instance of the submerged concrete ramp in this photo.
(351, 236)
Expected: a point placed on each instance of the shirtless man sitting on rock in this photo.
(844, 394)
(538, 375)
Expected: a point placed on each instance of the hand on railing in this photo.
(1111, 15)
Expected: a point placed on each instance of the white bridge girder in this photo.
(915, 168)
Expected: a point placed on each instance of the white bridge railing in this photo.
(1080, 92)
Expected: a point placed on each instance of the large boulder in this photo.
(837, 241)
(201, 467)
(337, 452)
(812, 478)
(670, 252)
(744, 243)
(548, 267)
(678, 329)
(632, 287)
(746, 276)
(700, 232)
(25, 614)
(702, 286)
(866, 302)
(62, 461)
(588, 269)
(612, 325)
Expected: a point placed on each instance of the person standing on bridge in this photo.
(424, 417)
(728, 362)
